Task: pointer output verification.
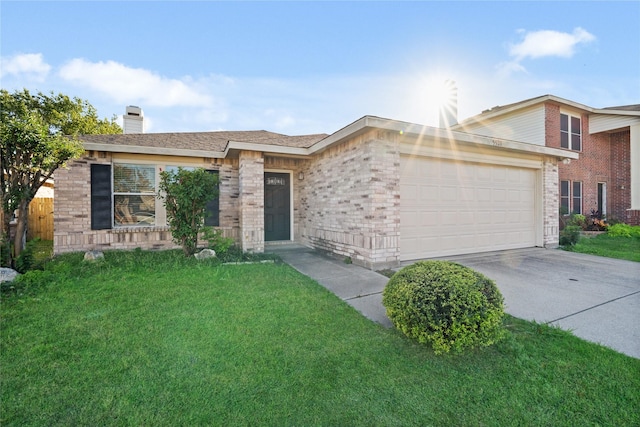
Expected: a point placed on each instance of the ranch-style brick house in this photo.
(379, 191)
(605, 180)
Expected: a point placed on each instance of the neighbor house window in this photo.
(570, 132)
(570, 197)
(577, 198)
(564, 197)
(134, 194)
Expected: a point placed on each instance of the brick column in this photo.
(550, 203)
(251, 183)
(634, 154)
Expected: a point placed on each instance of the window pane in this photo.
(564, 122)
(577, 189)
(564, 197)
(575, 142)
(577, 197)
(575, 125)
(134, 210)
(134, 178)
(564, 140)
(577, 205)
(174, 169)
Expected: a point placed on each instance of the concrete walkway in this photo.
(597, 298)
(358, 286)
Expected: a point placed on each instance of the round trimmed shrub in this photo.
(445, 304)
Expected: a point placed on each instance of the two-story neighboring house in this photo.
(605, 180)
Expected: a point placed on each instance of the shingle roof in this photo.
(635, 107)
(208, 141)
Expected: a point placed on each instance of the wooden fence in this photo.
(40, 221)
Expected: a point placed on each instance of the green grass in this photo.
(607, 246)
(152, 338)
(42, 250)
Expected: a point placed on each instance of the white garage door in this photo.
(449, 208)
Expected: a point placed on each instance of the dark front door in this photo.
(277, 206)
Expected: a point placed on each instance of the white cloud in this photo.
(30, 65)
(543, 43)
(128, 85)
(537, 44)
(507, 68)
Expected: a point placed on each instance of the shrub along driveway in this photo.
(595, 297)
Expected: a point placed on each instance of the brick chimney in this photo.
(133, 120)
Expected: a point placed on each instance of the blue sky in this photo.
(314, 67)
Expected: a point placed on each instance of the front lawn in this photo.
(608, 246)
(152, 338)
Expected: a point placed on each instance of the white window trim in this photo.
(161, 212)
(119, 193)
(578, 116)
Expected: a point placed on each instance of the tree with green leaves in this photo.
(38, 134)
(185, 194)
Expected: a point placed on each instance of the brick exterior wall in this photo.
(72, 210)
(604, 158)
(350, 200)
(251, 186)
(620, 188)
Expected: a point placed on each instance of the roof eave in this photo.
(616, 112)
(405, 128)
(233, 148)
(488, 115)
(138, 149)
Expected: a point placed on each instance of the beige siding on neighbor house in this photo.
(524, 125)
(608, 122)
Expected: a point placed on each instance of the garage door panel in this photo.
(448, 194)
(464, 207)
(467, 218)
(428, 193)
(484, 175)
(412, 192)
(498, 175)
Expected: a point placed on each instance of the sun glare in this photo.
(446, 97)
(441, 100)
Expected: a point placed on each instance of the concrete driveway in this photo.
(597, 298)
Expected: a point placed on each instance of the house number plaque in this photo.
(274, 180)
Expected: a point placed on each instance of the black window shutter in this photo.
(212, 210)
(100, 197)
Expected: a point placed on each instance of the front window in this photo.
(134, 199)
(570, 132)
